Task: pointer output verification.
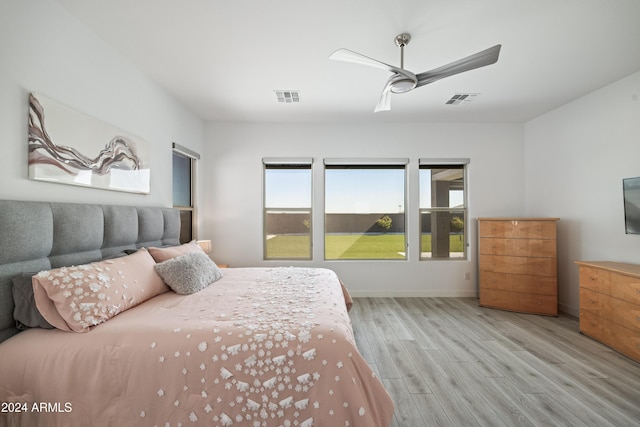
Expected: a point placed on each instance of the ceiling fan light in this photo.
(402, 86)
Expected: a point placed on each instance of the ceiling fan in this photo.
(403, 81)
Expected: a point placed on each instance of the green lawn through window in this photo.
(364, 246)
(288, 247)
(351, 246)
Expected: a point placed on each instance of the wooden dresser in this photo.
(610, 304)
(518, 264)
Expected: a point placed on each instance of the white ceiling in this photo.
(225, 58)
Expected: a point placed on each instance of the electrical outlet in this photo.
(467, 276)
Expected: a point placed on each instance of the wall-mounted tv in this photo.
(631, 191)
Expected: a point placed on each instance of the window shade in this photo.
(287, 162)
(366, 161)
(185, 151)
(448, 162)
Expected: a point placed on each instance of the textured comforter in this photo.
(260, 347)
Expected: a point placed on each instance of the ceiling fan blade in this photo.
(477, 60)
(347, 55)
(384, 103)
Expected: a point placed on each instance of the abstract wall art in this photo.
(74, 148)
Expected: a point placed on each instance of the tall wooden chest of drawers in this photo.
(610, 304)
(518, 265)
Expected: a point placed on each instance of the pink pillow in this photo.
(163, 254)
(79, 297)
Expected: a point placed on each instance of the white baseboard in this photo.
(571, 311)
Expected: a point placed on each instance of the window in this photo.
(364, 209)
(287, 208)
(184, 168)
(443, 209)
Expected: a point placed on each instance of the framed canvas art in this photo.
(69, 147)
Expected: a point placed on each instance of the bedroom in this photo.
(566, 162)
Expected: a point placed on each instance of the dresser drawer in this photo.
(519, 265)
(625, 314)
(625, 287)
(595, 326)
(545, 285)
(518, 247)
(625, 340)
(595, 279)
(515, 301)
(596, 303)
(628, 342)
(615, 310)
(518, 229)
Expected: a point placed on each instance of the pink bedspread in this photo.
(261, 347)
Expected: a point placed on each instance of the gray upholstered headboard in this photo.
(36, 236)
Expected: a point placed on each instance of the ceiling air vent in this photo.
(459, 98)
(287, 96)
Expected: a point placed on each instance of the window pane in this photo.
(442, 234)
(441, 186)
(181, 180)
(287, 212)
(287, 187)
(364, 212)
(442, 212)
(186, 226)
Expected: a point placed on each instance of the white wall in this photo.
(233, 199)
(576, 157)
(44, 49)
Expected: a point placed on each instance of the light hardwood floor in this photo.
(449, 362)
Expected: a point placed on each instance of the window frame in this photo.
(286, 163)
(179, 150)
(369, 163)
(452, 163)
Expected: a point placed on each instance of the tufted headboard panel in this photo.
(36, 236)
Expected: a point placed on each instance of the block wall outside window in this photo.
(287, 188)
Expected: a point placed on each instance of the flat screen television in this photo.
(631, 192)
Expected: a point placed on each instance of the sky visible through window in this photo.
(364, 190)
(287, 188)
(348, 190)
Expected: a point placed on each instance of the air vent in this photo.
(287, 96)
(459, 98)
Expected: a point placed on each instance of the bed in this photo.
(257, 347)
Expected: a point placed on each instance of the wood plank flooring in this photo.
(449, 362)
